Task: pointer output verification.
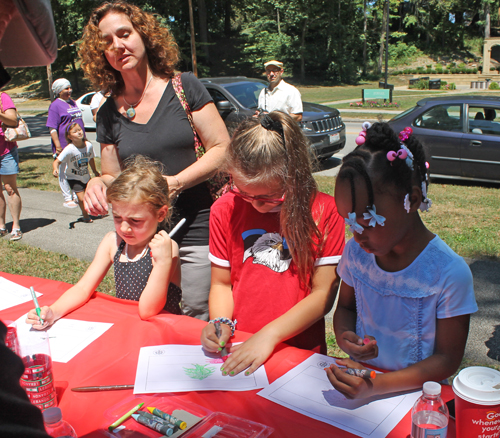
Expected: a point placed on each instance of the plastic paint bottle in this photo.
(429, 416)
(55, 426)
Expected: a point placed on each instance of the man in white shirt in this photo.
(97, 100)
(279, 95)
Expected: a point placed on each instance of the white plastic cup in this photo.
(477, 403)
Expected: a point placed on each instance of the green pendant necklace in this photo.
(131, 111)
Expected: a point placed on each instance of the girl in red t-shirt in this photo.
(275, 242)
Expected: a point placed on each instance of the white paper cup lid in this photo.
(477, 385)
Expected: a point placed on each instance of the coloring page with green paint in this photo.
(179, 368)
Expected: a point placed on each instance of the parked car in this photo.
(236, 99)
(83, 103)
(460, 134)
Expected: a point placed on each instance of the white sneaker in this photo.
(70, 204)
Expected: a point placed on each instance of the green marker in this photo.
(37, 307)
(171, 419)
(127, 415)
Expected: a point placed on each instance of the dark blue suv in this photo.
(236, 99)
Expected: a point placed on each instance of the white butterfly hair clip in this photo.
(374, 217)
(353, 225)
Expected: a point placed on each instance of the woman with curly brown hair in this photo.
(126, 51)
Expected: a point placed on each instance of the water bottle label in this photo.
(425, 431)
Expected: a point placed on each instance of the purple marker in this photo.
(365, 374)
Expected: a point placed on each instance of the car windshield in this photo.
(247, 93)
(404, 113)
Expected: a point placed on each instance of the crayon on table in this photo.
(167, 430)
(124, 417)
(170, 418)
(365, 374)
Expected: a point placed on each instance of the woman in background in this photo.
(63, 111)
(9, 168)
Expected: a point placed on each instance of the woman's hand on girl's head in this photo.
(161, 248)
(248, 356)
(358, 348)
(211, 342)
(46, 314)
(351, 387)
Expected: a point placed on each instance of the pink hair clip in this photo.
(405, 133)
(401, 154)
(361, 138)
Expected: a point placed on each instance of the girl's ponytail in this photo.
(272, 147)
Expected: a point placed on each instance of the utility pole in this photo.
(386, 42)
(193, 45)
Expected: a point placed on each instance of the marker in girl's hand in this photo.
(364, 374)
(223, 351)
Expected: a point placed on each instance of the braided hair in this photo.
(369, 161)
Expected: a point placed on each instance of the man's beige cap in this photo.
(274, 62)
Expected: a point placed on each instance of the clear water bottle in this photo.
(55, 426)
(429, 416)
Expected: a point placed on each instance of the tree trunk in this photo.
(365, 28)
(303, 50)
(49, 78)
(227, 18)
(487, 24)
(75, 84)
(202, 17)
(382, 40)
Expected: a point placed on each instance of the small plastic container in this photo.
(191, 413)
(429, 416)
(55, 426)
(228, 426)
(200, 420)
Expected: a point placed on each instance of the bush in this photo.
(439, 70)
(446, 71)
(422, 85)
(494, 86)
(461, 66)
(439, 66)
(444, 83)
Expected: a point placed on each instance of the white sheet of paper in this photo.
(13, 294)
(67, 337)
(178, 368)
(306, 389)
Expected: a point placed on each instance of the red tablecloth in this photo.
(112, 360)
